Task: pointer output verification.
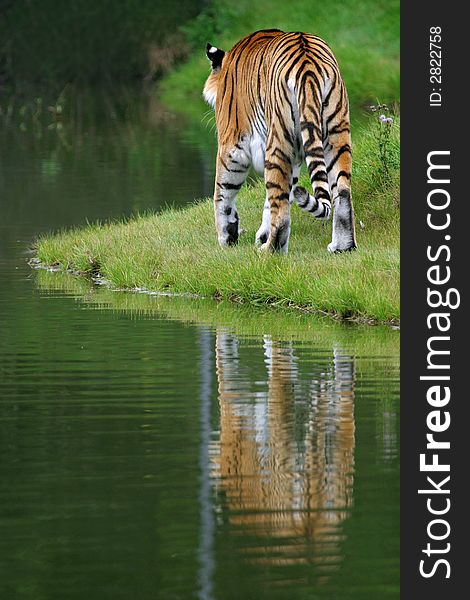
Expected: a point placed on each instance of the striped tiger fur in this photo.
(279, 100)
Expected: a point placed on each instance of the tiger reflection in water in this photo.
(286, 478)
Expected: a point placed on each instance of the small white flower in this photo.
(383, 119)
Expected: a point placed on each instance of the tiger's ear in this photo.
(215, 55)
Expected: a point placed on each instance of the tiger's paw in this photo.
(269, 248)
(336, 249)
(261, 236)
(265, 248)
(230, 233)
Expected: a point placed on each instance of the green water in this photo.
(170, 448)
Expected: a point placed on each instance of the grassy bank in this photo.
(176, 251)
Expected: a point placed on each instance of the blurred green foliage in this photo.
(85, 41)
(212, 23)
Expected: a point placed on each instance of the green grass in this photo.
(364, 35)
(176, 251)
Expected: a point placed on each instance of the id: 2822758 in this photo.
(435, 66)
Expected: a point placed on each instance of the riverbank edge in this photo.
(97, 280)
(175, 251)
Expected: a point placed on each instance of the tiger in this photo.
(279, 100)
(293, 483)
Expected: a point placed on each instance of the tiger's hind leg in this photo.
(263, 232)
(278, 180)
(231, 172)
(337, 146)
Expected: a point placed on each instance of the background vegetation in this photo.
(56, 42)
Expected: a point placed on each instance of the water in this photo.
(172, 448)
